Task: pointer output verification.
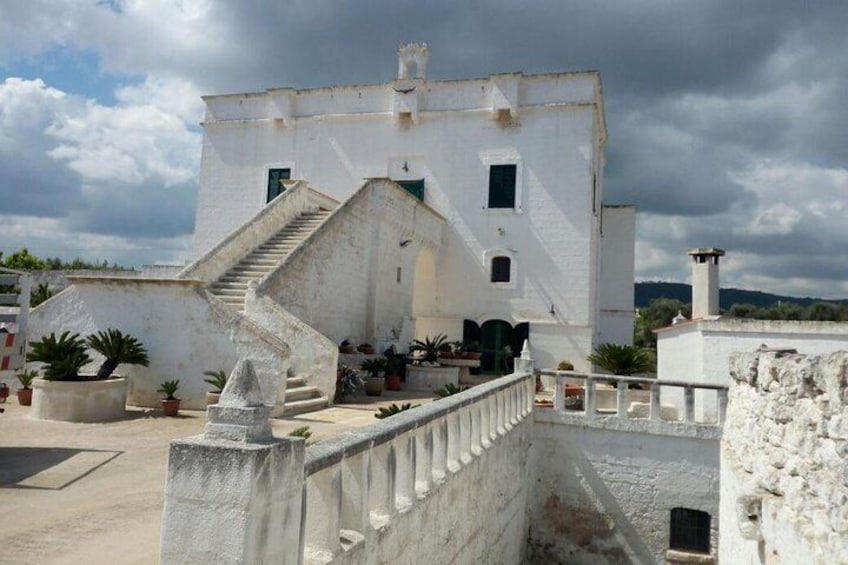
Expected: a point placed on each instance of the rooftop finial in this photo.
(413, 57)
(240, 414)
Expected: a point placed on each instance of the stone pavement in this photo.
(92, 493)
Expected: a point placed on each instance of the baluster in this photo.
(559, 394)
(440, 451)
(381, 486)
(621, 400)
(454, 448)
(501, 420)
(493, 417)
(689, 401)
(485, 423)
(476, 420)
(404, 450)
(464, 422)
(722, 405)
(354, 511)
(591, 398)
(423, 460)
(323, 511)
(656, 407)
(509, 409)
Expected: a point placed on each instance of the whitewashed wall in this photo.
(604, 490)
(616, 297)
(784, 474)
(185, 335)
(334, 137)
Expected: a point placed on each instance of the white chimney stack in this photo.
(705, 281)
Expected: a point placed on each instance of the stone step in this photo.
(295, 382)
(229, 291)
(302, 406)
(229, 285)
(301, 393)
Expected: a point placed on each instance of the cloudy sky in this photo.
(726, 126)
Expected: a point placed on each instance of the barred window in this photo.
(690, 530)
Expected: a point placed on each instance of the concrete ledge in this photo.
(637, 425)
(420, 377)
(79, 401)
(677, 556)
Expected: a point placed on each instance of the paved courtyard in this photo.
(92, 493)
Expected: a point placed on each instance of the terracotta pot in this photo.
(374, 386)
(171, 407)
(474, 355)
(393, 382)
(447, 355)
(544, 403)
(347, 350)
(25, 396)
(367, 350)
(212, 398)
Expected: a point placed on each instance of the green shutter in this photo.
(275, 187)
(502, 186)
(414, 187)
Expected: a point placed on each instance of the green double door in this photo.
(500, 342)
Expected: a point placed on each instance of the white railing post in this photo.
(485, 423)
(440, 451)
(621, 399)
(656, 407)
(381, 487)
(689, 402)
(464, 420)
(454, 447)
(354, 511)
(591, 398)
(476, 419)
(501, 421)
(559, 394)
(323, 512)
(404, 449)
(423, 460)
(722, 405)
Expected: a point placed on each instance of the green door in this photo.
(275, 187)
(495, 336)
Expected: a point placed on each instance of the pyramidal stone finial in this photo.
(240, 414)
(524, 364)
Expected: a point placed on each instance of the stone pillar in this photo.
(234, 494)
(524, 364)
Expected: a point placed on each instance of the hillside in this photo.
(647, 291)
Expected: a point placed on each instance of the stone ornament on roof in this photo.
(413, 53)
(240, 414)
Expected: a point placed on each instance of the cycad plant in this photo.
(393, 409)
(117, 348)
(374, 366)
(169, 389)
(430, 347)
(218, 379)
(63, 357)
(621, 359)
(448, 390)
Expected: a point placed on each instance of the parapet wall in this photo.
(784, 464)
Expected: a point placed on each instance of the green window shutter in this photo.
(275, 187)
(414, 187)
(502, 186)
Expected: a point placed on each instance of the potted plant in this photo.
(366, 349)
(374, 384)
(346, 347)
(429, 347)
(63, 357)
(170, 404)
(117, 348)
(25, 392)
(446, 350)
(218, 380)
(472, 351)
(394, 366)
(348, 382)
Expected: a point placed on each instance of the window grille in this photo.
(690, 530)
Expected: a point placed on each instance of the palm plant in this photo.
(393, 409)
(430, 347)
(117, 348)
(26, 377)
(448, 390)
(302, 431)
(169, 389)
(63, 357)
(218, 380)
(374, 366)
(621, 359)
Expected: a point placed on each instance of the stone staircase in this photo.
(301, 398)
(232, 286)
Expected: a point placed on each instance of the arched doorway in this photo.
(493, 337)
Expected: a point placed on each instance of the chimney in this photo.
(705, 281)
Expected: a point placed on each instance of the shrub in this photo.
(117, 348)
(621, 359)
(393, 409)
(63, 357)
(448, 390)
(565, 365)
(302, 431)
(430, 347)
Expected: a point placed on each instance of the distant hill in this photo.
(647, 291)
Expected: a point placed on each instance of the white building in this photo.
(513, 162)
(379, 214)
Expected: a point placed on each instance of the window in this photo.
(414, 187)
(275, 187)
(690, 530)
(501, 269)
(502, 186)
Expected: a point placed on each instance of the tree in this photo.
(743, 310)
(658, 314)
(23, 260)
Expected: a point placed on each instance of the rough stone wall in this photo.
(603, 491)
(784, 490)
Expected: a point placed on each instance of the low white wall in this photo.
(604, 488)
(784, 472)
(79, 401)
(183, 332)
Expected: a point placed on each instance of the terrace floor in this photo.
(92, 493)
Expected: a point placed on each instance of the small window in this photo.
(275, 187)
(501, 269)
(414, 187)
(690, 530)
(502, 186)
